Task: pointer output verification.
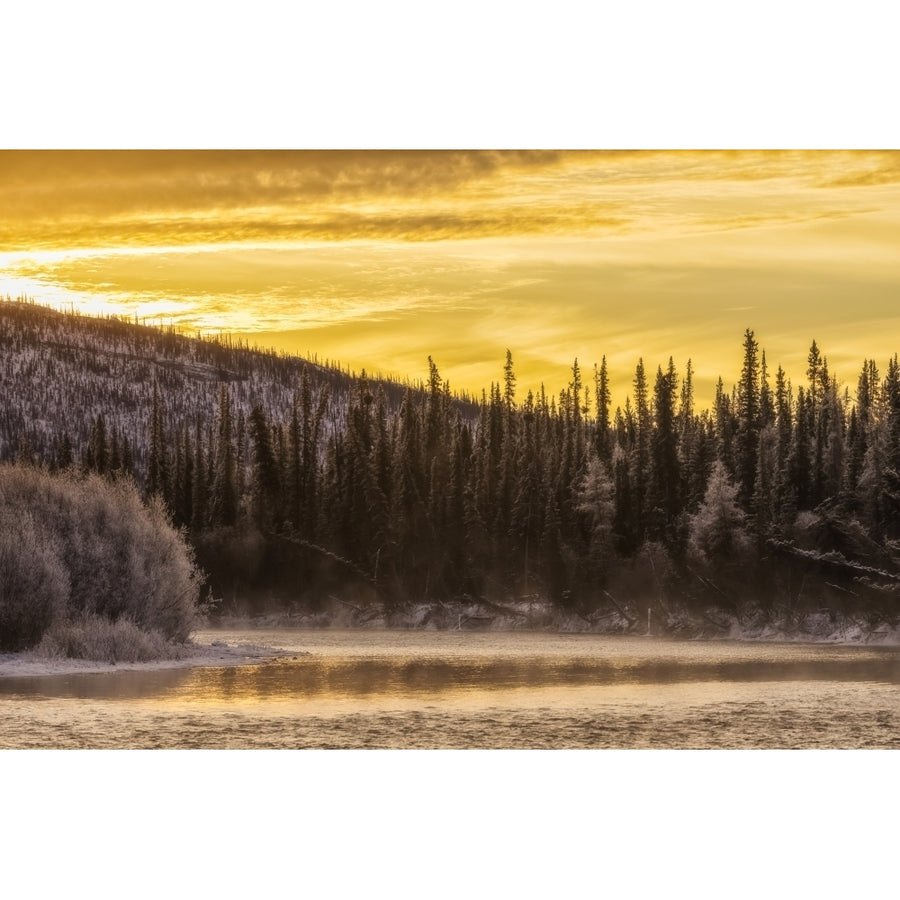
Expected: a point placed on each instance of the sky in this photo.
(379, 259)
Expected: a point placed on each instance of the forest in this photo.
(296, 483)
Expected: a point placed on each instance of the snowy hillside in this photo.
(59, 372)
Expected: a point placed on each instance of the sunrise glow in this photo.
(379, 259)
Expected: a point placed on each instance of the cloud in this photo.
(95, 182)
(62, 199)
(855, 169)
(132, 198)
(380, 259)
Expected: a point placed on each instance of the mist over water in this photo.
(357, 689)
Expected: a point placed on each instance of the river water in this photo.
(427, 689)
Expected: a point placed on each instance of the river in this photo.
(432, 689)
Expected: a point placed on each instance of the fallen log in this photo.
(630, 619)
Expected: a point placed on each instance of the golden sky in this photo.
(378, 259)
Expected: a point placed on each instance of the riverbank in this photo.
(216, 653)
(811, 628)
(816, 627)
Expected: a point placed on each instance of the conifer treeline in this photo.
(775, 495)
(558, 497)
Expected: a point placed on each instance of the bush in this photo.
(718, 531)
(77, 547)
(34, 583)
(93, 637)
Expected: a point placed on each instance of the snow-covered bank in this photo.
(215, 654)
(820, 627)
(539, 615)
(813, 628)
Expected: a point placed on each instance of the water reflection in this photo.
(123, 685)
(409, 675)
(388, 689)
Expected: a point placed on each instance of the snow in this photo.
(538, 614)
(814, 628)
(215, 654)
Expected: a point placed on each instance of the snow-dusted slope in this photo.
(58, 372)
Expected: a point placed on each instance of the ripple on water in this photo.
(435, 690)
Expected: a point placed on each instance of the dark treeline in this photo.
(778, 497)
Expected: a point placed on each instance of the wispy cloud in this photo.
(381, 259)
(132, 198)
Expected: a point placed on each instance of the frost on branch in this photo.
(718, 531)
(75, 546)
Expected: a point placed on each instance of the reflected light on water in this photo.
(415, 689)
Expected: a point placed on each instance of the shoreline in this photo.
(25, 664)
(820, 627)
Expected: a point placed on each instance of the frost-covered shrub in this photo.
(34, 584)
(113, 556)
(127, 560)
(164, 577)
(718, 531)
(93, 637)
(595, 500)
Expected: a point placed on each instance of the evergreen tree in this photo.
(890, 476)
(63, 457)
(200, 486)
(603, 440)
(115, 453)
(157, 459)
(266, 491)
(748, 420)
(509, 382)
(766, 400)
(224, 499)
(800, 462)
(185, 497)
(858, 428)
(718, 530)
(785, 496)
(640, 457)
(666, 489)
(97, 455)
(814, 374)
(725, 426)
(596, 502)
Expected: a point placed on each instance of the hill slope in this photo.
(59, 372)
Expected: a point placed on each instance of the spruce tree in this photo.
(640, 457)
(224, 500)
(665, 492)
(748, 420)
(266, 491)
(157, 456)
(603, 438)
